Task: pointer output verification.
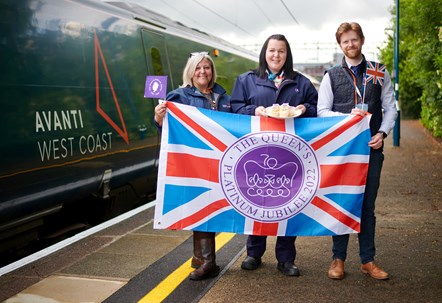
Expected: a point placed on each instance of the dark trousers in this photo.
(366, 237)
(285, 249)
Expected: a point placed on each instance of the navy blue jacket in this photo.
(191, 96)
(250, 91)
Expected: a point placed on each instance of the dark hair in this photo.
(288, 65)
(346, 27)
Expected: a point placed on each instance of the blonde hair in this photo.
(189, 69)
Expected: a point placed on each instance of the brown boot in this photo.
(208, 268)
(197, 259)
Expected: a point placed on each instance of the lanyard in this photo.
(352, 78)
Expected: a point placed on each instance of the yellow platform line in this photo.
(168, 285)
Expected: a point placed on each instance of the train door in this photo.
(155, 55)
(157, 63)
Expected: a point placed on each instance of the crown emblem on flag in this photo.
(269, 175)
(269, 179)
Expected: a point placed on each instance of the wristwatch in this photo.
(384, 135)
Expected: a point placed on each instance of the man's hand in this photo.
(360, 112)
(376, 141)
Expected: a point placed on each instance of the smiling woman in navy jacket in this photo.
(199, 89)
(274, 81)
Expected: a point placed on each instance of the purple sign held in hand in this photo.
(156, 87)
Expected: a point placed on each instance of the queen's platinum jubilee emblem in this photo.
(269, 176)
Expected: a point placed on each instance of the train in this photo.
(79, 143)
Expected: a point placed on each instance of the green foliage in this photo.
(420, 61)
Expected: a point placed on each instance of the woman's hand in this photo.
(260, 111)
(160, 112)
(302, 108)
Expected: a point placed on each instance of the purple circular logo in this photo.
(155, 87)
(269, 176)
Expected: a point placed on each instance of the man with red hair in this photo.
(359, 87)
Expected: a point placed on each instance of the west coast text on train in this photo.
(60, 122)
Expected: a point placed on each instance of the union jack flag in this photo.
(375, 73)
(200, 150)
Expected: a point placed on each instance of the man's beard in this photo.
(352, 53)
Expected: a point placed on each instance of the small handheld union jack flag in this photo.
(375, 73)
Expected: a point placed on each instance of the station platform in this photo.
(132, 262)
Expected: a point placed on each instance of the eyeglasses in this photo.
(198, 53)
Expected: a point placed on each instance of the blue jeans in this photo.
(366, 237)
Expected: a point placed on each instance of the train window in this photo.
(155, 54)
(156, 61)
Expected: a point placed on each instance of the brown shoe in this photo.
(374, 271)
(336, 270)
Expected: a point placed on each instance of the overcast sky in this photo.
(309, 25)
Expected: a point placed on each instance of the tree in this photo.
(420, 61)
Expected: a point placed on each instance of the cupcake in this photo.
(284, 110)
(274, 111)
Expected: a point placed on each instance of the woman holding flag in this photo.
(199, 89)
(273, 82)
